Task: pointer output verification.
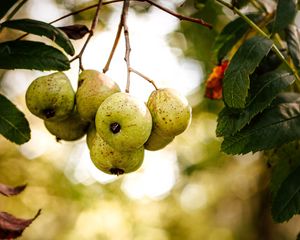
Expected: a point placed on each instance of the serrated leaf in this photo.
(293, 44)
(5, 5)
(231, 34)
(13, 124)
(286, 202)
(12, 227)
(42, 29)
(285, 14)
(76, 31)
(275, 126)
(236, 80)
(263, 90)
(31, 55)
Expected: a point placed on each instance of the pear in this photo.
(93, 88)
(124, 122)
(111, 161)
(90, 135)
(70, 129)
(171, 112)
(156, 142)
(51, 97)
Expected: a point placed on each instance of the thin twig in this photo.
(127, 42)
(91, 33)
(179, 16)
(16, 9)
(143, 76)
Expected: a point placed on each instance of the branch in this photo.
(143, 76)
(91, 33)
(179, 16)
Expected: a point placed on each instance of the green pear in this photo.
(156, 142)
(171, 112)
(70, 129)
(124, 122)
(90, 135)
(93, 88)
(111, 161)
(51, 97)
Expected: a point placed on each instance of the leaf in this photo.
(5, 5)
(286, 202)
(293, 44)
(11, 191)
(31, 55)
(231, 34)
(42, 29)
(263, 90)
(285, 14)
(236, 81)
(13, 124)
(76, 31)
(12, 227)
(273, 127)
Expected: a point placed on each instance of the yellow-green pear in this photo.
(124, 122)
(51, 97)
(111, 161)
(93, 88)
(90, 135)
(156, 142)
(171, 112)
(70, 129)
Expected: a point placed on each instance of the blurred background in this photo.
(189, 190)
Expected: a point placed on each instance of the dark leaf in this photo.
(11, 191)
(231, 34)
(31, 55)
(13, 124)
(5, 5)
(286, 202)
(76, 31)
(42, 29)
(236, 81)
(293, 43)
(270, 62)
(263, 90)
(12, 227)
(273, 127)
(285, 14)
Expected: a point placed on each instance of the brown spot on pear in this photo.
(156, 142)
(51, 97)
(171, 112)
(70, 129)
(124, 122)
(111, 161)
(93, 88)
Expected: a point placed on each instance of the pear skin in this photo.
(90, 135)
(124, 122)
(51, 97)
(171, 112)
(93, 88)
(70, 129)
(111, 161)
(156, 142)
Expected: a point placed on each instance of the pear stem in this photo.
(145, 77)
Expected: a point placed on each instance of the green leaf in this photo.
(286, 202)
(285, 14)
(5, 5)
(231, 34)
(13, 124)
(275, 126)
(31, 55)
(293, 43)
(263, 90)
(236, 80)
(42, 29)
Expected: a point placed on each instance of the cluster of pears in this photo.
(119, 127)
